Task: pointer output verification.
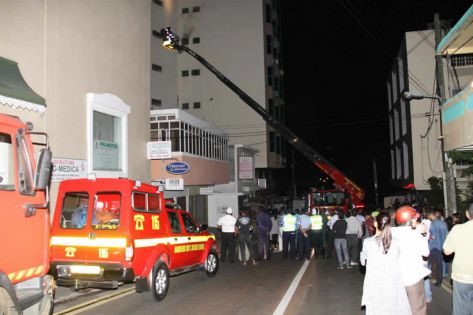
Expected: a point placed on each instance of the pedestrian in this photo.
(274, 232)
(383, 290)
(317, 233)
(288, 235)
(332, 217)
(244, 227)
(303, 236)
(264, 227)
(427, 290)
(413, 246)
(226, 225)
(280, 225)
(438, 233)
(340, 241)
(354, 233)
(370, 230)
(458, 242)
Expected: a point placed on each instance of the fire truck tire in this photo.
(211, 264)
(160, 281)
(6, 304)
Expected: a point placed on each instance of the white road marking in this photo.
(76, 309)
(291, 290)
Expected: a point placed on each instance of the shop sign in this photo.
(68, 169)
(177, 168)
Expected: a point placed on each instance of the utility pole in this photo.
(293, 168)
(375, 178)
(448, 172)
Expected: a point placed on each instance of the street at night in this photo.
(238, 289)
(236, 157)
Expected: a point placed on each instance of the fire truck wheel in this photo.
(160, 281)
(211, 264)
(6, 304)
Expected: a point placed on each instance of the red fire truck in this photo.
(353, 194)
(24, 221)
(106, 231)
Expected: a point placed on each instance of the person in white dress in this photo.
(383, 290)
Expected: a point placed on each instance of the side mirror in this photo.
(204, 227)
(43, 170)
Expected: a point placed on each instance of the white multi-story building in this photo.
(242, 40)
(414, 125)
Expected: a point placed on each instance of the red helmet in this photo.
(405, 214)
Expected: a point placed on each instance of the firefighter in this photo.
(317, 233)
(289, 234)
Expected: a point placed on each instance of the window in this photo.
(185, 73)
(462, 60)
(106, 215)
(144, 202)
(74, 210)
(156, 67)
(269, 46)
(195, 72)
(189, 223)
(155, 104)
(267, 10)
(270, 75)
(185, 10)
(158, 2)
(7, 178)
(196, 40)
(185, 105)
(195, 9)
(270, 106)
(185, 41)
(107, 130)
(196, 104)
(174, 222)
(139, 201)
(272, 141)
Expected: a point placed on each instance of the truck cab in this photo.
(24, 221)
(107, 231)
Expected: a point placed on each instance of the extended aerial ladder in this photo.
(340, 180)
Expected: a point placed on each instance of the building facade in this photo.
(243, 40)
(94, 76)
(414, 126)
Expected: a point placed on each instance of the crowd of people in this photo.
(400, 250)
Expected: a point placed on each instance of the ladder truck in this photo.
(346, 193)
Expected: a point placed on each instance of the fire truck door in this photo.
(178, 241)
(195, 243)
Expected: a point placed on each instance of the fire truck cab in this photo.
(108, 231)
(25, 285)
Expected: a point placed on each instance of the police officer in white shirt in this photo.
(226, 225)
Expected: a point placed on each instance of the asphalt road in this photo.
(238, 289)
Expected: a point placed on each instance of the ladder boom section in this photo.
(341, 181)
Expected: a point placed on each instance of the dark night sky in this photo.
(335, 73)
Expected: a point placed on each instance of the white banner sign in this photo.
(68, 169)
(174, 184)
(158, 150)
(245, 167)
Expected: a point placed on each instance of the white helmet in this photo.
(229, 210)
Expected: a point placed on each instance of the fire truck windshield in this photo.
(329, 199)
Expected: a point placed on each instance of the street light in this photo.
(448, 180)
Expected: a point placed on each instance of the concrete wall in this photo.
(66, 49)
(202, 171)
(426, 151)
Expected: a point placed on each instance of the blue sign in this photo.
(178, 168)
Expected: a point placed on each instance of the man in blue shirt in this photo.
(438, 234)
(303, 236)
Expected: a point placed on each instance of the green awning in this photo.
(459, 38)
(14, 91)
